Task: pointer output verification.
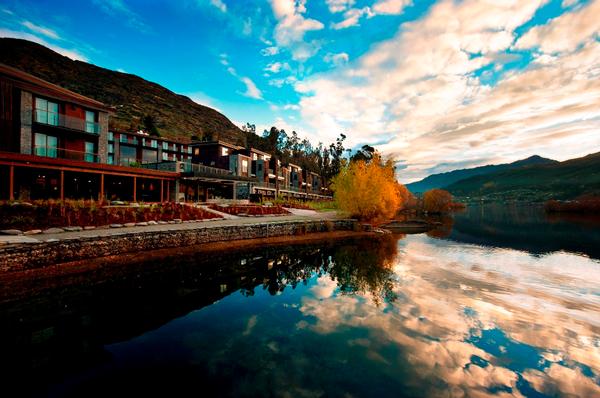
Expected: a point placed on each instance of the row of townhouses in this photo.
(55, 143)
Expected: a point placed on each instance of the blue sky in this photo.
(436, 85)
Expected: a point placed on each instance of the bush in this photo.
(51, 213)
(437, 201)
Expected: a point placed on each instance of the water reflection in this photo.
(397, 316)
(526, 227)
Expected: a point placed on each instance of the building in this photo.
(54, 144)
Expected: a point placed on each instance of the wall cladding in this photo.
(37, 255)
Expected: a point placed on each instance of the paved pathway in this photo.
(297, 215)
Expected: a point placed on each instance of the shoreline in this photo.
(86, 245)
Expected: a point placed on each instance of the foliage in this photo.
(149, 122)
(252, 210)
(369, 191)
(41, 214)
(437, 201)
(581, 205)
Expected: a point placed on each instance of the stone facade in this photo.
(37, 255)
(26, 138)
(103, 139)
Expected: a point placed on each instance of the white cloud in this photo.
(565, 32)
(352, 18)
(339, 5)
(269, 51)
(219, 4)
(251, 90)
(71, 53)
(41, 30)
(336, 59)
(118, 9)
(391, 6)
(292, 27)
(276, 67)
(418, 93)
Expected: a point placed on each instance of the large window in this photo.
(90, 122)
(90, 152)
(46, 145)
(127, 155)
(46, 112)
(244, 166)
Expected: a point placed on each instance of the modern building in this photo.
(55, 143)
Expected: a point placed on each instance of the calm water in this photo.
(497, 302)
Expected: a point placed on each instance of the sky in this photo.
(436, 85)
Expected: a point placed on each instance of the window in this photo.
(111, 136)
(90, 122)
(165, 156)
(254, 156)
(111, 159)
(46, 112)
(123, 138)
(134, 140)
(189, 150)
(127, 155)
(89, 152)
(154, 143)
(224, 151)
(244, 166)
(165, 146)
(46, 145)
(182, 149)
(111, 148)
(197, 151)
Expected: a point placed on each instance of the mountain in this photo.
(556, 180)
(132, 98)
(442, 180)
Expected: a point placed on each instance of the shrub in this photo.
(437, 201)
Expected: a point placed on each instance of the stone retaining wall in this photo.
(37, 255)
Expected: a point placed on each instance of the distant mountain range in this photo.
(532, 179)
(443, 180)
(132, 97)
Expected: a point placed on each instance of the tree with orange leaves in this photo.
(437, 201)
(368, 190)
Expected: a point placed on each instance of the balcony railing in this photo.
(69, 122)
(266, 185)
(60, 153)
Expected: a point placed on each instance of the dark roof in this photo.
(177, 141)
(39, 86)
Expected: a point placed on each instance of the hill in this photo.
(176, 116)
(557, 180)
(443, 180)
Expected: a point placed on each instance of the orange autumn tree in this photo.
(368, 190)
(437, 201)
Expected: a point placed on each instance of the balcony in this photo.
(69, 122)
(59, 153)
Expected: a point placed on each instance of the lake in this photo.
(499, 301)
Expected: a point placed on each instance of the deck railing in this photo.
(60, 120)
(60, 153)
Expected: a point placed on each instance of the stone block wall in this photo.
(37, 255)
(26, 138)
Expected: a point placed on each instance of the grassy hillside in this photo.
(442, 180)
(562, 180)
(131, 96)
